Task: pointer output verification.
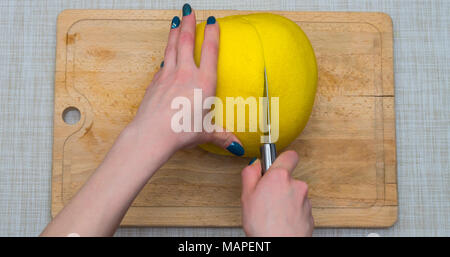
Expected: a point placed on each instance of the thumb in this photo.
(250, 177)
(227, 141)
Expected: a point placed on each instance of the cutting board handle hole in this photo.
(71, 115)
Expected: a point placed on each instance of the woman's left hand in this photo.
(149, 140)
(178, 77)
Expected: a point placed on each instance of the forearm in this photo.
(98, 208)
(144, 146)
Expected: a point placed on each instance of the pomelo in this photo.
(247, 43)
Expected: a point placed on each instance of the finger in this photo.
(307, 205)
(158, 73)
(311, 217)
(250, 177)
(287, 160)
(210, 49)
(227, 141)
(186, 40)
(170, 56)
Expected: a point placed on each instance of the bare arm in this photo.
(98, 208)
(148, 141)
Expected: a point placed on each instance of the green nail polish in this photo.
(187, 9)
(211, 20)
(252, 160)
(162, 64)
(175, 22)
(236, 149)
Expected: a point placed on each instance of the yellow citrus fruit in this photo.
(247, 44)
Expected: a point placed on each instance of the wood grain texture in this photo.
(106, 58)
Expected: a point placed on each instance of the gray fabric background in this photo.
(422, 89)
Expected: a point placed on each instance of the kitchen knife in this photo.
(268, 150)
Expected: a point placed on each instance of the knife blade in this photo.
(268, 149)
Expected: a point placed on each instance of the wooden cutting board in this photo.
(106, 58)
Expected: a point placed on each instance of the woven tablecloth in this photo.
(422, 94)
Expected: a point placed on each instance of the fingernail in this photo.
(175, 22)
(252, 160)
(186, 9)
(211, 20)
(236, 149)
(162, 64)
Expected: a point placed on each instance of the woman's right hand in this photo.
(275, 204)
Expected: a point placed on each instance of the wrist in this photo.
(149, 149)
